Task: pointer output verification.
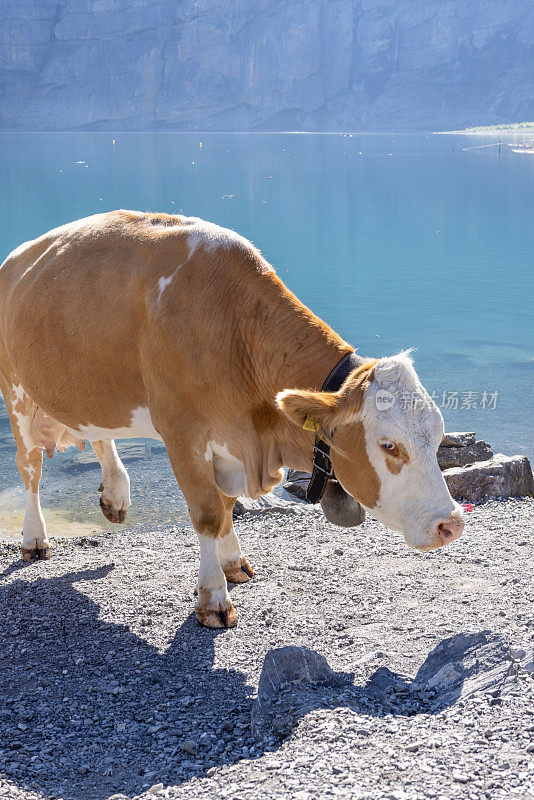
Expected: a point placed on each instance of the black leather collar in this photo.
(322, 466)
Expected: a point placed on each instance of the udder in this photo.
(48, 434)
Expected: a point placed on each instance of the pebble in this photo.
(460, 777)
(517, 653)
(411, 748)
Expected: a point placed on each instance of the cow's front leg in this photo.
(212, 522)
(115, 487)
(234, 564)
(214, 608)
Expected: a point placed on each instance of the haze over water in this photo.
(396, 241)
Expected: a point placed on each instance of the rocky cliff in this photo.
(265, 64)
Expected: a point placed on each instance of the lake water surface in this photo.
(395, 240)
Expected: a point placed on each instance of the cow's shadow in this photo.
(88, 708)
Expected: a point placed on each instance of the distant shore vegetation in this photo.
(506, 127)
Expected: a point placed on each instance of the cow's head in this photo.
(384, 431)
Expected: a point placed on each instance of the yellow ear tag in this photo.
(311, 424)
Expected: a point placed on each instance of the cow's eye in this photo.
(390, 448)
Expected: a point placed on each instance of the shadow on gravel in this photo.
(88, 709)
(14, 567)
(295, 681)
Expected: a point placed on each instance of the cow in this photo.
(131, 324)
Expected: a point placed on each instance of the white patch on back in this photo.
(207, 235)
(140, 427)
(211, 236)
(229, 471)
(164, 282)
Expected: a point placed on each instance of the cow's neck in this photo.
(291, 348)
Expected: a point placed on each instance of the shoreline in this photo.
(528, 130)
(483, 133)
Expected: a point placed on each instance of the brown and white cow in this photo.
(129, 324)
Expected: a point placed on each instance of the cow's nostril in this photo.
(450, 530)
(445, 533)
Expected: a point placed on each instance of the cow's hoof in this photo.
(29, 553)
(226, 618)
(35, 553)
(239, 574)
(113, 514)
(223, 616)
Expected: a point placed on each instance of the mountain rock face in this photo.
(265, 64)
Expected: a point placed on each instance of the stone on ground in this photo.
(499, 477)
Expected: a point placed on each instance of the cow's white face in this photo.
(385, 430)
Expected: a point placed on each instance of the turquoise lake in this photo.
(396, 241)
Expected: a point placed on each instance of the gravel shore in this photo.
(108, 686)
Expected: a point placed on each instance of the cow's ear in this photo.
(352, 392)
(323, 411)
(309, 410)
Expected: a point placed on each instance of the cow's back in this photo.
(76, 305)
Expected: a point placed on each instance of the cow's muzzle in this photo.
(450, 529)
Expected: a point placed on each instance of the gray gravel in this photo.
(108, 685)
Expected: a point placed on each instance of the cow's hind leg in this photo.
(29, 460)
(115, 487)
(35, 543)
(234, 564)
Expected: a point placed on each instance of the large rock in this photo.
(286, 675)
(264, 65)
(294, 665)
(500, 477)
(457, 439)
(460, 449)
(463, 665)
(297, 483)
(466, 454)
(267, 504)
(458, 667)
